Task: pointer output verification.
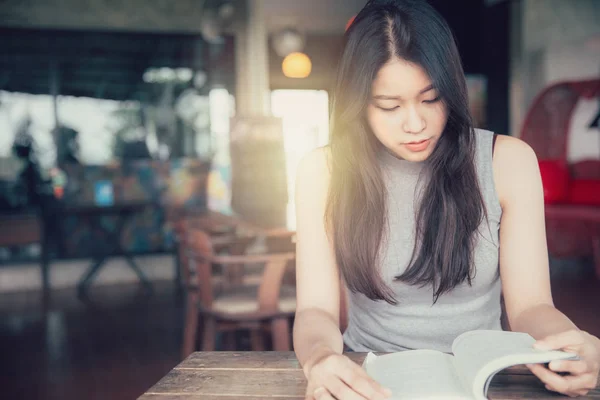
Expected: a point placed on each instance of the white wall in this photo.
(555, 40)
(576, 61)
(562, 22)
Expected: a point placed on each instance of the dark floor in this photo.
(114, 347)
(122, 342)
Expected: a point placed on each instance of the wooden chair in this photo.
(223, 242)
(266, 307)
(24, 229)
(232, 236)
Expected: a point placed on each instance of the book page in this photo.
(479, 355)
(417, 374)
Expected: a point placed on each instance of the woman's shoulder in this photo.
(511, 152)
(515, 166)
(508, 152)
(505, 144)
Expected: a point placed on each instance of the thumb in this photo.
(559, 341)
(310, 389)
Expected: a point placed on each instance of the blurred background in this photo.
(128, 128)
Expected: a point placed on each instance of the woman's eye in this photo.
(432, 100)
(388, 109)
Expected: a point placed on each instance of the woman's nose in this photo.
(413, 123)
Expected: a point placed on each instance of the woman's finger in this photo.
(556, 382)
(572, 385)
(572, 367)
(357, 379)
(327, 397)
(579, 385)
(322, 394)
(310, 389)
(340, 390)
(368, 389)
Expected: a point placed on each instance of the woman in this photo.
(408, 206)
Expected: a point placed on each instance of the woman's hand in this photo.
(583, 374)
(334, 376)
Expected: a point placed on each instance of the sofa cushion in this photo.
(555, 179)
(585, 192)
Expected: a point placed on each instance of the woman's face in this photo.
(405, 111)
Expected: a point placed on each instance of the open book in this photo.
(478, 356)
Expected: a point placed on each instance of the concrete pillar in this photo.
(259, 186)
(252, 63)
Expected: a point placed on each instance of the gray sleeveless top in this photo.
(415, 322)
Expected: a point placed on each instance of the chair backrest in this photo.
(223, 237)
(587, 169)
(201, 255)
(546, 126)
(17, 230)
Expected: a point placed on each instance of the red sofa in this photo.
(571, 191)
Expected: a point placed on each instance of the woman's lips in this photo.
(416, 147)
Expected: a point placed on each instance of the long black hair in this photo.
(452, 205)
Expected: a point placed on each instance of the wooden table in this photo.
(123, 212)
(277, 375)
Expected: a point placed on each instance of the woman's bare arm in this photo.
(316, 329)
